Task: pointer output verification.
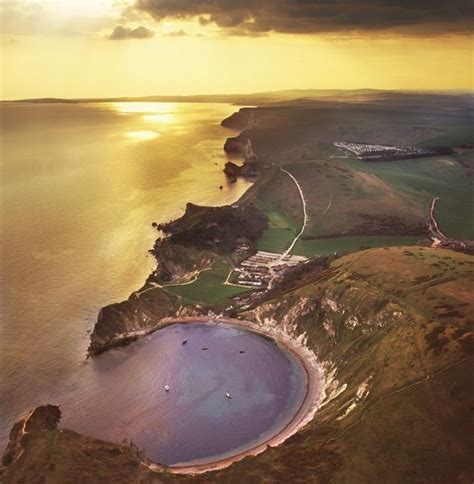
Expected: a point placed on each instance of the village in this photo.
(380, 152)
(258, 272)
(261, 268)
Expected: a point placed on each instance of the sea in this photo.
(81, 185)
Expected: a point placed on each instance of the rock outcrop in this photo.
(240, 120)
(41, 419)
(193, 242)
(240, 145)
(121, 323)
(217, 230)
(39, 452)
(251, 169)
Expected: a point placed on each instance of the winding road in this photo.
(437, 236)
(326, 210)
(305, 219)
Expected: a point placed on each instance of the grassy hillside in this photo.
(393, 329)
(445, 177)
(344, 203)
(209, 288)
(356, 203)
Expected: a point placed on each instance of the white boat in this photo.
(167, 388)
(228, 395)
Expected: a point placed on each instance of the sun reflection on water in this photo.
(151, 111)
(147, 113)
(159, 118)
(142, 135)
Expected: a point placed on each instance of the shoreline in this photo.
(315, 378)
(315, 385)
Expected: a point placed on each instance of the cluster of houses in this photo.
(258, 270)
(257, 273)
(368, 151)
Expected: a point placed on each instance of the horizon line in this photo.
(230, 96)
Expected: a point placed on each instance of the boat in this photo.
(167, 388)
(184, 341)
(228, 395)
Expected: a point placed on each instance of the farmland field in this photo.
(209, 288)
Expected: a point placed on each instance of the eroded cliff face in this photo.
(335, 322)
(251, 169)
(242, 119)
(121, 323)
(216, 230)
(241, 145)
(39, 452)
(42, 419)
(177, 264)
(194, 242)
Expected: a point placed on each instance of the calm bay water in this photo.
(80, 186)
(122, 393)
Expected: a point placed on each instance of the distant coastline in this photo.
(244, 98)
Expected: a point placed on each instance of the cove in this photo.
(194, 423)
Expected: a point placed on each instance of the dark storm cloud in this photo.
(422, 17)
(123, 33)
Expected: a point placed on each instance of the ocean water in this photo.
(80, 186)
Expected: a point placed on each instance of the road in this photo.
(305, 214)
(328, 206)
(437, 236)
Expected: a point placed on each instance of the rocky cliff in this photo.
(39, 452)
(240, 120)
(193, 243)
(219, 230)
(240, 145)
(250, 169)
(144, 312)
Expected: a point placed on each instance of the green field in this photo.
(281, 230)
(347, 196)
(453, 136)
(351, 203)
(310, 248)
(439, 177)
(209, 288)
(276, 240)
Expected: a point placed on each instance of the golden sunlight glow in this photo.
(159, 118)
(144, 107)
(141, 135)
(89, 8)
(155, 113)
(186, 58)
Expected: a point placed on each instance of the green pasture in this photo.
(209, 288)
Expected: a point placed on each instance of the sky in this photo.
(102, 48)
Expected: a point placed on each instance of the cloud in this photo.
(175, 33)
(251, 17)
(123, 33)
